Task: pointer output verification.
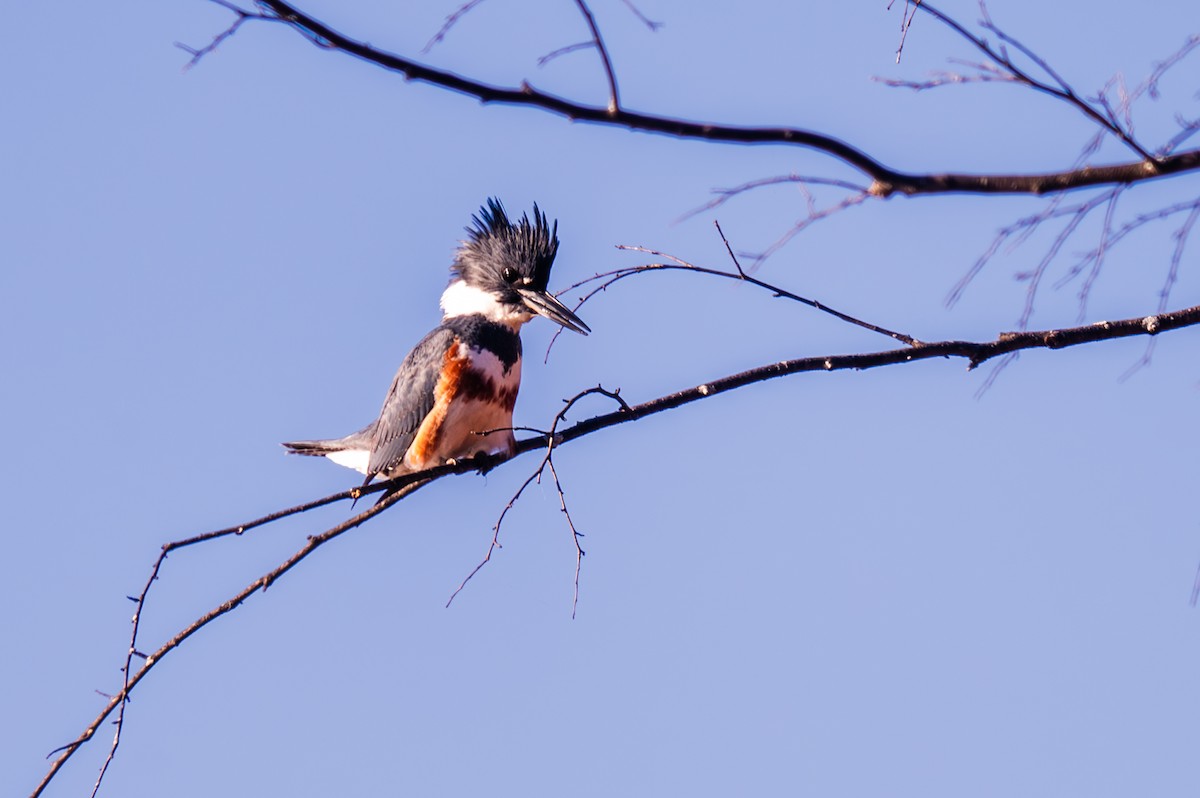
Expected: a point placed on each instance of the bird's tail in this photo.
(352, 451)
(316, 448)
(355, 440)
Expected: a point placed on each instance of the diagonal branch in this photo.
(601, 282)
(150, 661)
(885, 180)
(973, 352)
(1057, 87)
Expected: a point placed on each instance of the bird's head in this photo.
(502, 270)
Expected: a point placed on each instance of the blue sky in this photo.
(832, 584)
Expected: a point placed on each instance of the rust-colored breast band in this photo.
(448, 387)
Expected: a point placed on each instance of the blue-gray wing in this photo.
(409, 401)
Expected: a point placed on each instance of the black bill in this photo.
(546, 305)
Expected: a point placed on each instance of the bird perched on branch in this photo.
(453, 396)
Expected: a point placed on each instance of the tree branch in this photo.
(396, 489)
(261, 584)
(241, 17)
(552, 439)
(451, 20)
(886, 181)
(1057, 87)
(614, 102)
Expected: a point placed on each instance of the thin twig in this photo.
(982, 73)
(1021, 230)
(649, 23)
(614, 103)
(723, 195)
(241, 16)
(812, 303)
(997, 367)
(551, 438)
(1161, 68)
(1181, 239)
(1058, 87)
(906, 20)
(1095, 257)
(570, 48)
(604, 280)
(575, 533)
(1035, 277)
(1181, 235)
(1188, 128)
(808, 221)
(451, 20)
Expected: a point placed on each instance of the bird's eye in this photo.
(510, 275)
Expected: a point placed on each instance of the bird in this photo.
(453, 395)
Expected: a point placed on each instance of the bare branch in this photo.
(814, 216)
(614, 104)
(906, 20)
(974, 353)
(495, 543)
(1019, 232)
(1095, 257)
(552, 439)
(451, 20)
(1111, 110)
(999, 366)
(1092, 260)
(1140, 363)
(974, 72)
(1162, 67)
(1035, 277)
(1119, 112)
(1181, 239)
(1056, 87)
(575, 533)
(724, 195)
(606, 279)
(885, 180)
(152, 660)
(241, 16)
(1189, 127)
(1181, 235)
(566, 49)
(602, 281)
(741, 272)
(649, 23)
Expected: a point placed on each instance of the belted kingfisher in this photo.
(462, 379)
